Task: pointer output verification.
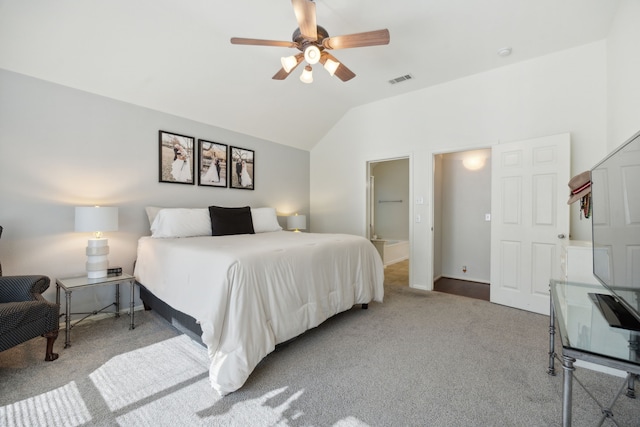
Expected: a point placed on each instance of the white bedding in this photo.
(250, 292)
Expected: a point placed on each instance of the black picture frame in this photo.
(176, 163)
(239, 160)
(212, 154)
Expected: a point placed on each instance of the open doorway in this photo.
(462, 227)
(389, 213)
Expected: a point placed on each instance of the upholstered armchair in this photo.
(25, 313)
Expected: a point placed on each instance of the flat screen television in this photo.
(615, 198)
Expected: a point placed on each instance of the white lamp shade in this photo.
(297, 222)
(96, 218)
(307, 75)
(331, 66)
(288, 63)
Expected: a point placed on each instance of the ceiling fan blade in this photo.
(305, 11)
(369, 38)
(282, 73)
(342, 72)
(259, 42)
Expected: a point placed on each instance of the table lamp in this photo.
(297, 222)
(97, 220)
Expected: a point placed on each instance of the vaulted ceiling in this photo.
(175, 56)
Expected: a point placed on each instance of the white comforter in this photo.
(250, 292)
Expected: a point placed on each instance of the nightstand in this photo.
(72, 283)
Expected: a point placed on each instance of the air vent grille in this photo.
(401, 79)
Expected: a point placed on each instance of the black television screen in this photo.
(615, 198)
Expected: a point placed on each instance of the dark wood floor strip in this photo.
(462, 287)
(398, 274)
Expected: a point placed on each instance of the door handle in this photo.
(561, 236)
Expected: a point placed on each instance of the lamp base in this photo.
(97, 274)
(97, 260)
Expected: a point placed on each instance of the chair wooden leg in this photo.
(51, 338)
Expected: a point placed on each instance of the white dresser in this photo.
(577, 262)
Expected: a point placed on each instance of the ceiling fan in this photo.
(313, 41)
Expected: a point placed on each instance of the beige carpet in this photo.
(418, 359)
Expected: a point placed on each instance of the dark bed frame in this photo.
(178, 319)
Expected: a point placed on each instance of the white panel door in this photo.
(530, 219)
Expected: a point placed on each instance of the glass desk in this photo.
(73, 283)
(586, 335)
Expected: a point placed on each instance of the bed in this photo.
(247, 292)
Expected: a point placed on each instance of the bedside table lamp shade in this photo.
(97, 220)
(297, 222)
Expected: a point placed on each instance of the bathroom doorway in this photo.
(389, 211)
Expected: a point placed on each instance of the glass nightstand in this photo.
(73, 283)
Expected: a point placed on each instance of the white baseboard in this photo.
(396, 260)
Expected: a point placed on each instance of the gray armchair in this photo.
(25, 314)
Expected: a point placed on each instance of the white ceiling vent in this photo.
(401, 79)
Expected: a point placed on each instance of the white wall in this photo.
(391, 201)
(465, 199)
(623, 68)
(562, 92)
(61, 148)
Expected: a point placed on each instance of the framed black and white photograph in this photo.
(212, 164)
(241, 168)
(176, 158)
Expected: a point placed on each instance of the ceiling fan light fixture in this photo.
(288, 63)
(312, 41)
(331, 66)
(307, 75)
(312, 54)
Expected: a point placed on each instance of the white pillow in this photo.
(181, 222)
(264, 219)
(152, 211)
